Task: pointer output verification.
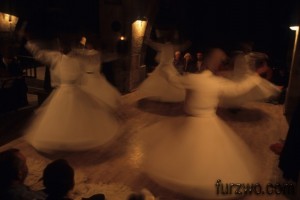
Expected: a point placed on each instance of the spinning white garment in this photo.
(188, 154)
(70, 119)
(244, 67)
(156, 87)
(92, 81)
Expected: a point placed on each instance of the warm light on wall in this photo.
(139, 26)
(137, 39)
(140, 22)
(138, 32)
(7, 22)
(122, 38)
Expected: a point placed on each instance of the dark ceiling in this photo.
(52, 16)
(204, 22)
(226, 23)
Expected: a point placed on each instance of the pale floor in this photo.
(115, 171)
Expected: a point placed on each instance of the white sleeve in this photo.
(45, 56)
(181, 81)
(230, 88)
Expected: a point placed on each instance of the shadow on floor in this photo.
(242, 114)
(161, 108)
(104, 153)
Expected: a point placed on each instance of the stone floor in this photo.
(115, 170)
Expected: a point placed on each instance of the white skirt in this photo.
(97, 85)
(71, 120)
(189, 154)
(260, 93)
(157, 88)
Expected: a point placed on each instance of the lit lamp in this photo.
(294, 28)
(289, 102)
(8, 22)
(122, 45)
(122, 38)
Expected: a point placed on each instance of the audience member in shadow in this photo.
(13, 172)
(136, 197)
(289, 161)
(58, 179)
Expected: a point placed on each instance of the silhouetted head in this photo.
(58, 178)
(13, 168)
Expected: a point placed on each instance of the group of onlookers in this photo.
(58, 180)
(187, 62)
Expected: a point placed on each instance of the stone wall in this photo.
(125, 13)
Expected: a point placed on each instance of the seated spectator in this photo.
(58, 179)
(13, 172)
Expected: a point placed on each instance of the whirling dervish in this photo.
(156, 87)
(70, 119)
(244, 65)
(92, 81)
(189, 154)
